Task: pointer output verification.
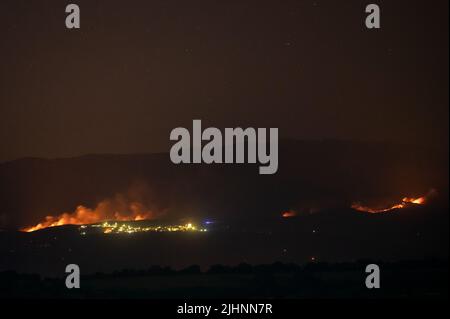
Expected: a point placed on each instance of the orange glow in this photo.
(289, 213)
(104, 211)
(419, 201)
(406, 201)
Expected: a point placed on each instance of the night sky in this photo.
(137, 69)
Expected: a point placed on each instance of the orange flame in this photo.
(84, 215)
(289, 213)
(406, 201)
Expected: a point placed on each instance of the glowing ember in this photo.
(406, 201)
(83, 215)
(289, 213)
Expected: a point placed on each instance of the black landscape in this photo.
(246, 225)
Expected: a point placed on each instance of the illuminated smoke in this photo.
(118, 209)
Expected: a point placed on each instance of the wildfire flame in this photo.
(289, 213)
(406, 201)
(83, 215)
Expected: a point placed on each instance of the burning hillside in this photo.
(134, 211)
(405, 202)
(117, 209)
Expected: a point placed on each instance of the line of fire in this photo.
(120, 223)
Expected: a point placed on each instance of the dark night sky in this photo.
(137, 69)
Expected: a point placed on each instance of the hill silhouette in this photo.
(312, 175)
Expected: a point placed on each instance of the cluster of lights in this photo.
(119, 228)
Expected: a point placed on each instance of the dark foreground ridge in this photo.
(426, 278)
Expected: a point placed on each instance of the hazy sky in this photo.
(137, 69)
